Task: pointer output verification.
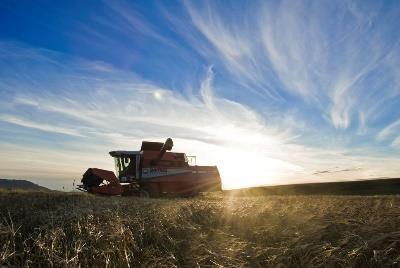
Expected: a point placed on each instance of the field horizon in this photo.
(378, 186)
(374, 186)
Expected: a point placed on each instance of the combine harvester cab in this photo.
(152, 172)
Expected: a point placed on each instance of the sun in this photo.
(245, 158)
(240, 169)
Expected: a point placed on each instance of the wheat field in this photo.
(71, 230)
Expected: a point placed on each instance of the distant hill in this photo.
(382, 186)
(20, 184)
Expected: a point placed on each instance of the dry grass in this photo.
(55, 229)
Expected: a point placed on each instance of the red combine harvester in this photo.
(151, 172)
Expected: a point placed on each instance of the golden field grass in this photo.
(71, 230)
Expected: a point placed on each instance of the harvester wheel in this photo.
(144, 193)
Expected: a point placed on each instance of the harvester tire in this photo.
(144, 193)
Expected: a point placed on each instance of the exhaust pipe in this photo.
(167, 146)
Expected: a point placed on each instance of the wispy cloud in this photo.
(117, 112)
(298, 48)
(132, 20)
(235, 46)
(43, 127)
(286, 88)
(335, 171)
(391, 132)
(396, 142)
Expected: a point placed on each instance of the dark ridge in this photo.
(361, 187)
(20, 185)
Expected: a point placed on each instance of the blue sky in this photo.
(271, 91)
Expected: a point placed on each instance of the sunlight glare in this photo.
(244, 158)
